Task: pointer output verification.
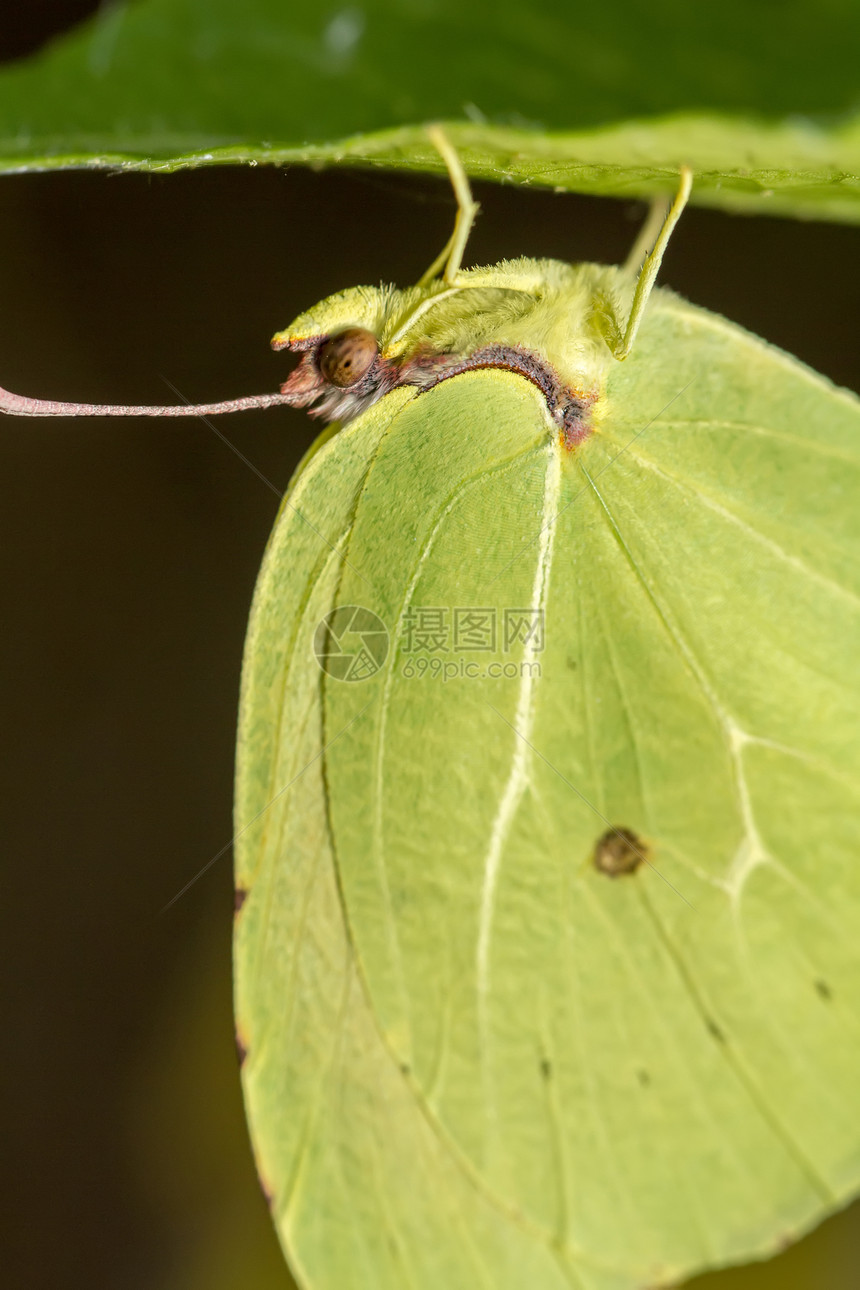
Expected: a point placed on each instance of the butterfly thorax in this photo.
(544, 320)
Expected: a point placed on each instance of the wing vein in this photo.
(712, 504)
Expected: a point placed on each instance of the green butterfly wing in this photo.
(473, 1058)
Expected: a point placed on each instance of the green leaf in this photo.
(552, 96)
(471, 1053)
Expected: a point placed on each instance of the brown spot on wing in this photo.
(268, 1192)
(619, 851)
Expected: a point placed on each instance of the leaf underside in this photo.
(476, 1058)
(600, 102)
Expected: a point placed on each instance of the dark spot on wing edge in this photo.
(268, 1193)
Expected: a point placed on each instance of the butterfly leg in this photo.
(658, 227)
(451, 255)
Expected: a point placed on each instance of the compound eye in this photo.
(346, 358)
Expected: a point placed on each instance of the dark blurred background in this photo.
(127, 560)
